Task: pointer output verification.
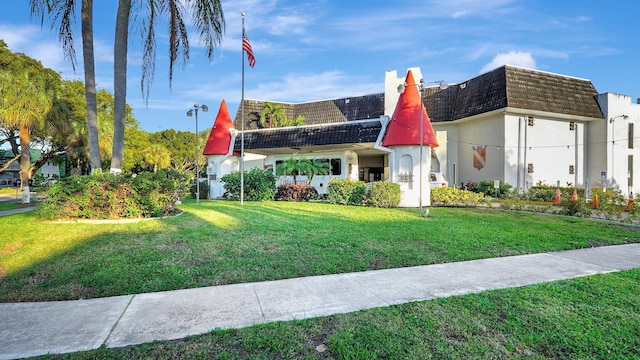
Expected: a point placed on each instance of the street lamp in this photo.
(420, 87)
(613, 144)
(204, 108)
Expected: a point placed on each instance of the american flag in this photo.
(246, 46)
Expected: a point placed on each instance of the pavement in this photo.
(32, 329)
(14, 198)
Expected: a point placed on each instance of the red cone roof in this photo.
(404, 127)
(220, 138)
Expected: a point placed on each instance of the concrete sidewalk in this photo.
(30, 329)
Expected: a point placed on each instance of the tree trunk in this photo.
(120, 83)
(90, 85)
(25, 162)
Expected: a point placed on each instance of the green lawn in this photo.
(221, 242)
(596, 317)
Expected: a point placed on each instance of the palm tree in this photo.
(25, 98)
(120, 83)
(208, 19)
(288, 167)
(157, 156)
(272, 115)
(62, 12)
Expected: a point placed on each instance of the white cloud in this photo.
(517, 58)
(307, 87)
(289, 24)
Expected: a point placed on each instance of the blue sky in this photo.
(330, 49)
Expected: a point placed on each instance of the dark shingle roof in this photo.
(314, 135)
(318, 112)
(504, 87)
(514, 87)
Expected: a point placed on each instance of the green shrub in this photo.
(296, 192)
(383, 194)
(541, 193)
(486, 187)
(109, 196)
(346, 192)
(574, 208)
(609, 200)
(454, 197)
(259, 185)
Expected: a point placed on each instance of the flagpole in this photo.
(242, 124)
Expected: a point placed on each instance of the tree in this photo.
(180, 144)
(61, 13)
(288, 167)
(27, 95)
(302, 166)
(208, 19)
(157, 157)
(274, 115)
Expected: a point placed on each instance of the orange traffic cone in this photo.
(595, 201)
(629, 205)
(556, 201)
(574, 197)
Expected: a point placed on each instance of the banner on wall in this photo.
(479, 156)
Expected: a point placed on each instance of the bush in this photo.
(259, 185)
(296, 192)
(454, 197)
(574, 208)
(109, 196)
(486, 187)
(346, 192)
(383, 194)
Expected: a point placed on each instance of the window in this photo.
(572, 170)
(530, 121)
(630, 171)
(279, 167)
(630, 136)
(530, 168)
(572, 126)
(336, 167)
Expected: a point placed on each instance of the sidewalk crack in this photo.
(259, 303)
(118, 320)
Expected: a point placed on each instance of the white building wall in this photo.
(622, 155)
(218, 166)
(405, 170)
(552, 148)
(487, 132)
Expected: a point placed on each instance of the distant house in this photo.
(518, 125)
(52, 170)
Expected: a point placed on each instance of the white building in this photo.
(513, 124)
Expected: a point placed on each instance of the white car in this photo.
(438, 180)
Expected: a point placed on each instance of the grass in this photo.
(596, 317)
(220, 242)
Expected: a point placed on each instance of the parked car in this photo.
(438, 180)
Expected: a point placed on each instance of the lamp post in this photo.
(420, 87)
(204, 108)
(613, 143)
